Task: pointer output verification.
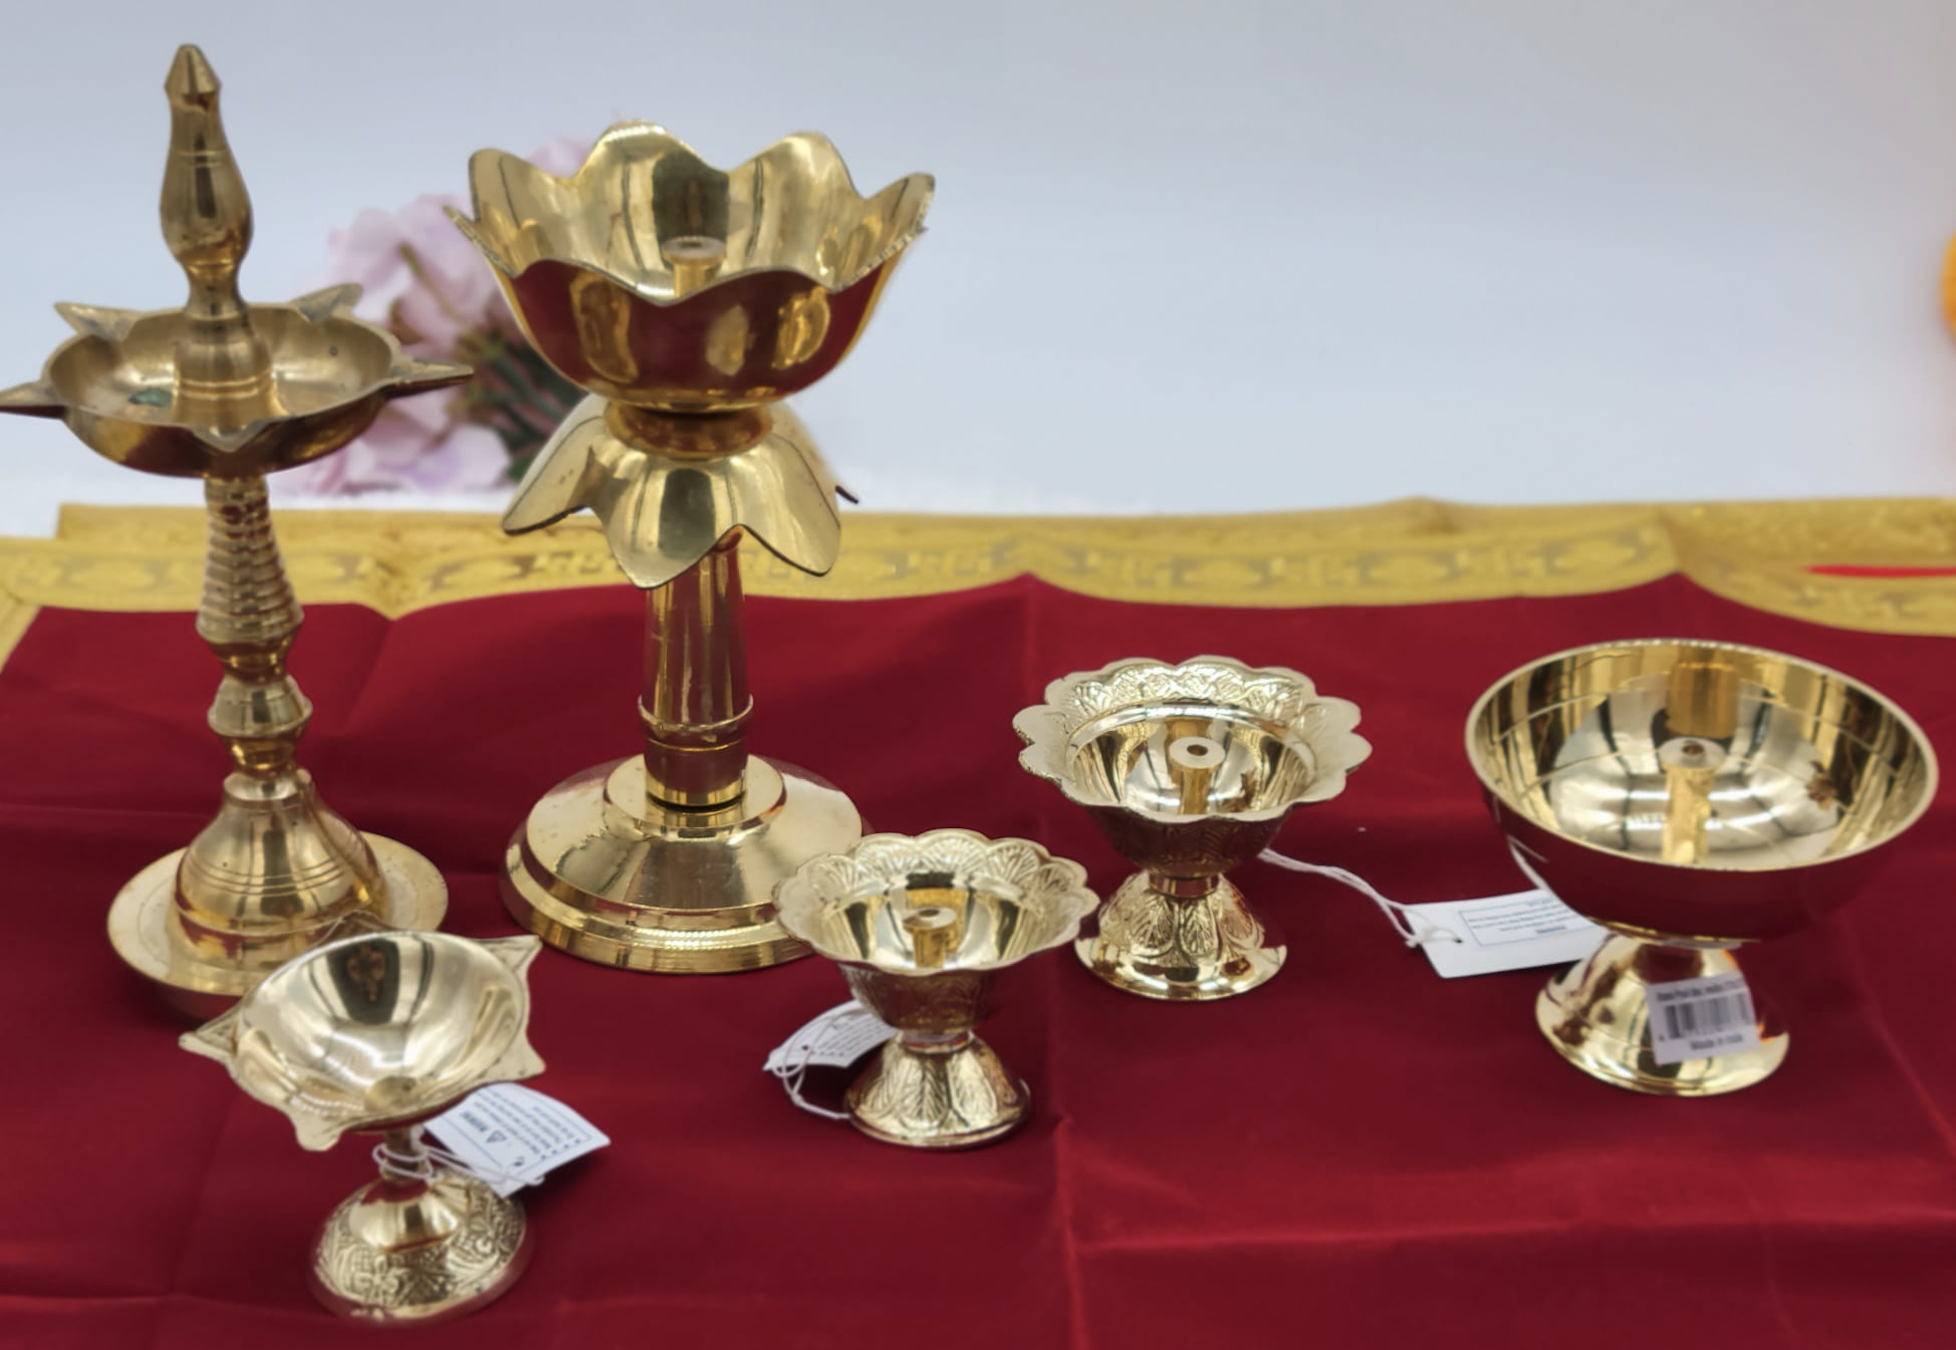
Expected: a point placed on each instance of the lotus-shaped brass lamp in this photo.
(228, 393)
(374, 1033)
(1188, 770)
(688, 302)
(1690, 797)
(920, 927)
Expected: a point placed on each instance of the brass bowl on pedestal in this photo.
(1690, 797)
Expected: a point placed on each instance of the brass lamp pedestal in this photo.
(668, 861)
(689, 302)
(1597, 1016)
(420, 1244)
(228, 393)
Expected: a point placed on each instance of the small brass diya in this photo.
(375, 1033)
(1189, 770)
(921, 926)
(688, 302)
(227, 392)
(1690, 797)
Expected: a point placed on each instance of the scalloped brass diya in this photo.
(228, 393)
(688, 302)
(374, 1034)
(1189, 770)
(1690, 797)
(920, 927)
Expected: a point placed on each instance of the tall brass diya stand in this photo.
(688, 302)
(228, 393)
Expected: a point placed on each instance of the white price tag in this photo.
(1710, 1015)
(836, 1039)
(514, 1132)
(1506, 932)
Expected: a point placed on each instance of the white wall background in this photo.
(1202, 257)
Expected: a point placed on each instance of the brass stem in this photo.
(1183, 888)
(694, 706)
(249, 616)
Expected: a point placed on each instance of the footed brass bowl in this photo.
(1189, 770)
(1690, 797)
(376, 1033)
(920, 926)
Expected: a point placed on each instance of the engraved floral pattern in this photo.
(823, 902)
(1282, 698)
(468, 1262)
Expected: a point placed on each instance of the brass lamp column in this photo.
(687, 302)
(228, 393)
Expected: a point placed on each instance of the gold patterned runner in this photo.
(1406, 552)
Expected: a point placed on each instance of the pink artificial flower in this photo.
(422, 442)
(423, 280)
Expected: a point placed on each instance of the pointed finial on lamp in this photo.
(223, 368)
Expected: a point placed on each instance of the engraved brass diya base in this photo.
(605, 873)
(1597, 1017)
(920, 927)
(419, 1245)
(949, 1095)
(1188, 770)
(1690, 797)
(687, 302)
(1157, 943)
(227, 392)
(374, 1034)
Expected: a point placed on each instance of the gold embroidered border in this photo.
(1405, 552)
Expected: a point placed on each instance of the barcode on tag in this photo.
(1711, 1015)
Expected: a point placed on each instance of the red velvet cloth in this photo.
(1357, 1154)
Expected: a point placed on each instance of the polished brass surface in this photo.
(227, 392)
(687, 301)
(1189, 770)
(1690, 796)
(601, 871)
(920, 927)
(653, 278)
(1596, 1015)
(375, 1033)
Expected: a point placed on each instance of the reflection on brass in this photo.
(669, 860)
(728, 340)
(920, 926)
(1666, 790)
(1188, 770)
(374, 1034)
(642, 218)
(803, 327)
(225, 392)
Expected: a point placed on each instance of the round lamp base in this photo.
(1597, 1016)
(1179, 948)
(598, 873)
(414, 898)
(938, 1099)
(421, 1253)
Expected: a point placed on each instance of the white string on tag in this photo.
(1417, 930)
(837, 1039)
(790, 1076)
(428, 1159)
